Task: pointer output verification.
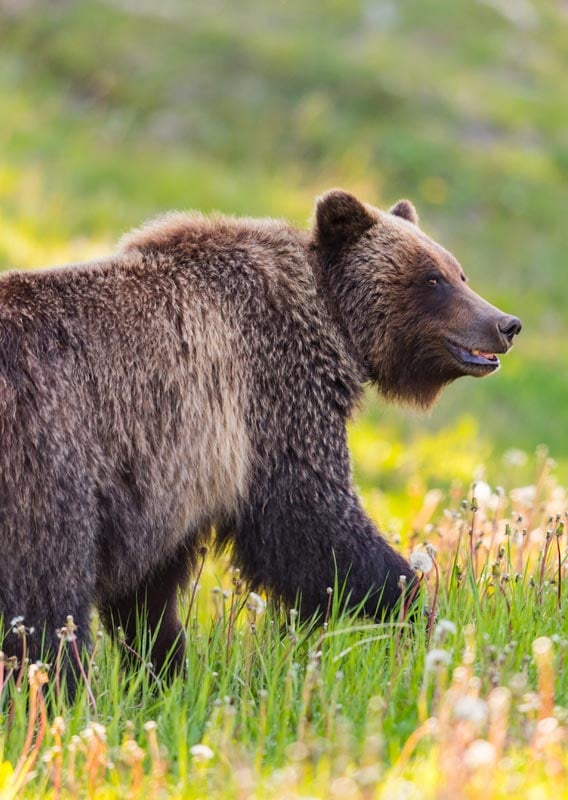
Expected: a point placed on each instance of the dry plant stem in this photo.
(58, 769)
(194, 589)
(495, 523)
(29, 754)
(58, 671)
(139, 658)
(558, 535)
(95, 760)
(471, 547)
(432, 614)
(546, 548)
(426, 729)
(230, 628)
(90, 694)
(234, 611)
(452, 571)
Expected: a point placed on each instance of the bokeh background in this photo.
(113, 111)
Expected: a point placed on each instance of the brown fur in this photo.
(203, 377)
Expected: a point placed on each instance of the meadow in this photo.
(114, 111)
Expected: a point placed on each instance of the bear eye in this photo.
(433, 280)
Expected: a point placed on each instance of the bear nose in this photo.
(510, 326)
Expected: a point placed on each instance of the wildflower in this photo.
(201, 753)
(437, 658)
(471, 709)
(67, 632)
(482, 492)
(256, 603)
(525, 495)
(515, 457)
(421, 561)
(445, 626)
(431, 549)
(480, 754)
(58, 727)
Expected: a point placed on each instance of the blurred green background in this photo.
(114, 111)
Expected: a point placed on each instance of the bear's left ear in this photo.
(405, 210)
(340, 217)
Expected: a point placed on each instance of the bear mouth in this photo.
(476, 361)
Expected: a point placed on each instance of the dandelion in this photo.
(256, 603)
(201, 754)
(515, 457)
(482, 492)
(67, 632)
(437, 658)
(471, 709)
(431, 549)
(444, 627)
(480, 755)
(421, 562)
(526, 495)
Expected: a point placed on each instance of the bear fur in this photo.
(202, 378)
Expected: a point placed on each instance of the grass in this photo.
(476, 694)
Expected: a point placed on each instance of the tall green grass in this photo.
(273, 703)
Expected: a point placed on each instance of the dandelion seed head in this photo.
(482, 492)
(480, 755)
(437, 658)
(471, 709)
(421, 561)
(201, 753)
(256, 603)
(444, 627)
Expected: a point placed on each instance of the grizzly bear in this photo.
(202, 379)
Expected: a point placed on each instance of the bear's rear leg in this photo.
(151, 609)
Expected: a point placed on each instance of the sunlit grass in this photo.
(477, 694)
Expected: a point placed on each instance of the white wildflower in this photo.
(255, 603)
(482, 492)
(445, 626)
(421, 561)
(480, 755)
(471, 709)
(201, 753)
(437, 658)
(526, 495)
(515, 457)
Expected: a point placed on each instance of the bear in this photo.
(201, 380)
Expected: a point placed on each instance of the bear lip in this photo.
(473, 357)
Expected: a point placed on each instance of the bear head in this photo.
(403, 301)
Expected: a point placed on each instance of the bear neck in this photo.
(322, 267)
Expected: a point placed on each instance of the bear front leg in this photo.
(301, 532)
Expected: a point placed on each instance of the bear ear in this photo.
(405, 210)
(341, 217)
